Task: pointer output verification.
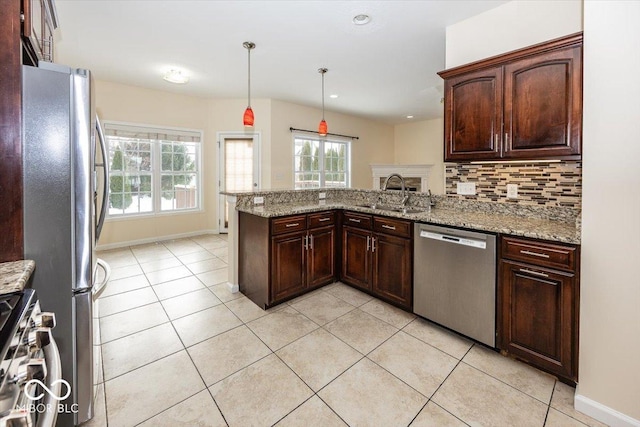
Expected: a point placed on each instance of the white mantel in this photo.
(407, 171)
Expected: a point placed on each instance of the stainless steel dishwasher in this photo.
(455, 280)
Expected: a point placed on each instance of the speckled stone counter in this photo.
(15, 275)
(554, 224)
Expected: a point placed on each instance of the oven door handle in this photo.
(54, 377)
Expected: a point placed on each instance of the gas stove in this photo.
(30, 374)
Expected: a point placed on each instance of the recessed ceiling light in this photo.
(175, 76)
(409, 117)
(361, 19)
(334, 96)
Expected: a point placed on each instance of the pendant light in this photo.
(247, 119)
(322, 127)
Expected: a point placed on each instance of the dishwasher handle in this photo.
(464, 241)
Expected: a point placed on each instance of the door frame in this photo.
(257, 178)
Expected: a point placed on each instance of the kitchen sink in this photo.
(392, 208)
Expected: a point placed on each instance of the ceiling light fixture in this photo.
(322, 127)
(333, 96)
(248, 119)
(361, 19)
(175, 76)
(409, 117)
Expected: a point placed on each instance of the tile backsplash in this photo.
(542, 183)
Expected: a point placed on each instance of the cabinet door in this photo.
(473, 115)
(392, 272)
(321, 256)
(537, 316)
(356, 257)
(543, 105)
(287, 265)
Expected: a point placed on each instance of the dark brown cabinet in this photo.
(39, 19)
(538, 304)
(377, 256)
(525, 104)
(473, 115)
(288, 255)
(283, 257)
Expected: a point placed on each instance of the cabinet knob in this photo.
(33, 369)
(38, 338)
(46, 319)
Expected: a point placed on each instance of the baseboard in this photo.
(603, 413)
(153, 239)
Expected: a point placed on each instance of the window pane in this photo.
(134, 172)
(320, 163)
(306, 163)
(238, 157)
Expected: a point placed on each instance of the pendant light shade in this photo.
(322, 127)
(248, 118)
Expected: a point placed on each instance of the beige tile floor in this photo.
(179, 349)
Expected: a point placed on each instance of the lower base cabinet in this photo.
(392, 270)
(538, 305)
(281, 258)
(377, 257)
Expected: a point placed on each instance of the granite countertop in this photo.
(545, 229)
(15, 275)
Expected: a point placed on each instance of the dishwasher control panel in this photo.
(476, 243)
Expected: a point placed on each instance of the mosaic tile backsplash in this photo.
(541, 184)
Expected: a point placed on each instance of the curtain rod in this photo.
(334, 134)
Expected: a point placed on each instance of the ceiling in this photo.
(384, 70)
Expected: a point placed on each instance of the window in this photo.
(152, 170)
(321, 162)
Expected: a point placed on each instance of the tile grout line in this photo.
(184, 348)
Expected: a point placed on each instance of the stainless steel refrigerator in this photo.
(64, 207)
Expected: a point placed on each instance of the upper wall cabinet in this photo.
(525, 104)
(39, 19)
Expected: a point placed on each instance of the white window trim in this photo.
(322, 140)
(156, 175)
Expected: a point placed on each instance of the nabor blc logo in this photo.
(48, 390)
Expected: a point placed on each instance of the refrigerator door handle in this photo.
(105, 181)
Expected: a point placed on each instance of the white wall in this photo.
(610, 284)
(422, 143)
(509, 27)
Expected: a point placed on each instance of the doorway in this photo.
(239, 168)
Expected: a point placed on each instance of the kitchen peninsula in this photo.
(270, 260)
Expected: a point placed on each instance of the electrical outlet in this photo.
(259, 200)
(466, 188)
(322, 196)
(512, 191)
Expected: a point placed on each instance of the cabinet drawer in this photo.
(321, 219)
(396, 227)
(353, 219)
(539, 253)
(288, 224)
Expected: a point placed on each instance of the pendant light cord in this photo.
(249, 46)
(249, 78)
(322, 71)
(323, 94)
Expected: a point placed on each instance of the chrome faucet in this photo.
(405, 195)
(432, 203)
